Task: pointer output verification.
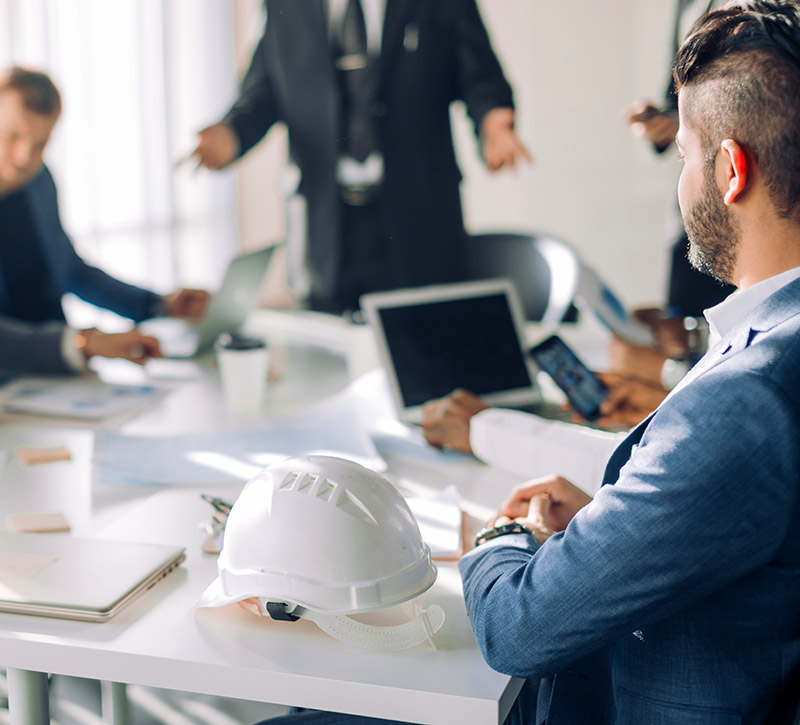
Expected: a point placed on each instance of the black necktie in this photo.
(358, 80)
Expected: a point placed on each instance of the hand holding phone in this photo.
(584, 390)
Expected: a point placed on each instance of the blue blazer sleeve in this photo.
(680, 530)
(26, 348)
(69, 271)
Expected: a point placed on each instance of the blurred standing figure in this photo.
(365, 90)
(690, 292)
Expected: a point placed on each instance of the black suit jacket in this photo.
(292, 80)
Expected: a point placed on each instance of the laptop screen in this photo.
(469, 343)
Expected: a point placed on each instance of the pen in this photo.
(137, 351)
(186, 158)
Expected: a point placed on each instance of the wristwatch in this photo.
(81, 340)
(513, 527)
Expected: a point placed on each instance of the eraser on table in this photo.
(30, 455)
(36, 523)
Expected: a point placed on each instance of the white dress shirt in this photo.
(529, 446)
(348, 170)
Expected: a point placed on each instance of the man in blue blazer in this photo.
(674, 595)
(54, 348)
(364, 89)
(38, 263)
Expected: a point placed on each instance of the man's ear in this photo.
(737, 170)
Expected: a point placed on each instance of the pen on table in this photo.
(185, 159)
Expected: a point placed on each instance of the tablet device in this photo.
(595, 296)
(58, 575)
(432, 340)
(228, 309)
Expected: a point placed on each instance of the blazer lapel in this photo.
(398, 14)
(773, 311)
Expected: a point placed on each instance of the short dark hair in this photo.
(39, 93)
(743, 61)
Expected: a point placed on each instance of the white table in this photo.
(162, 641)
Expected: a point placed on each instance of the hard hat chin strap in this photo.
(425, 623)
(421, 628)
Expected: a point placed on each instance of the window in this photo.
(138, 78)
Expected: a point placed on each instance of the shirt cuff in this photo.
(72, 356)
(517, 541)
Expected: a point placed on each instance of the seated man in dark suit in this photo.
(38, 264)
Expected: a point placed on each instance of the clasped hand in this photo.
(544, 505)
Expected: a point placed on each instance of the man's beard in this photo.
(713, 233)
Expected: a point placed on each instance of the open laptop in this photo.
(58, 575)
(469, 335)
(229, 307)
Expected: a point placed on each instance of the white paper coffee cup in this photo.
(243, 364)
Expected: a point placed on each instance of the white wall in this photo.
(573, 66)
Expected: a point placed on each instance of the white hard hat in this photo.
(321, 537)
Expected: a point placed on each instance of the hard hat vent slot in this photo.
(300, 481)
(322, 488)
(326, 491)
(288, 481)
(352, 505)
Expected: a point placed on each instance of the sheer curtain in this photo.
(138, 78)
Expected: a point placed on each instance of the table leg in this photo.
(115, 703)
(28, 697)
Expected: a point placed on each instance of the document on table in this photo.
(440, 522)
(90, 400)
(235, 455)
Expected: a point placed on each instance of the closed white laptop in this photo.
(59, 575)
(468, 335)
(229, 307)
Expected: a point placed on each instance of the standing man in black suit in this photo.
(365, 87)
(690, 292)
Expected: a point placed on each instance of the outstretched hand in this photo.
(445, 422)
(130, 345)
(651, 123)
(188, 304)
(217, 146)
(500, 144)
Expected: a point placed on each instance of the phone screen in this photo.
(584, 390)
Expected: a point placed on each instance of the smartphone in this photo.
(584, 390)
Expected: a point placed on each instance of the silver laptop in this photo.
(432, 340)
(229, 308)
(58, 575)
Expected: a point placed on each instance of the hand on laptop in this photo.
(189, 304)
(445, 421)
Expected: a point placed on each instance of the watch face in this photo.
(513, 527)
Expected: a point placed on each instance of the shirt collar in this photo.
(722, 318)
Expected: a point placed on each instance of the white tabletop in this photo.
(161, 640)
